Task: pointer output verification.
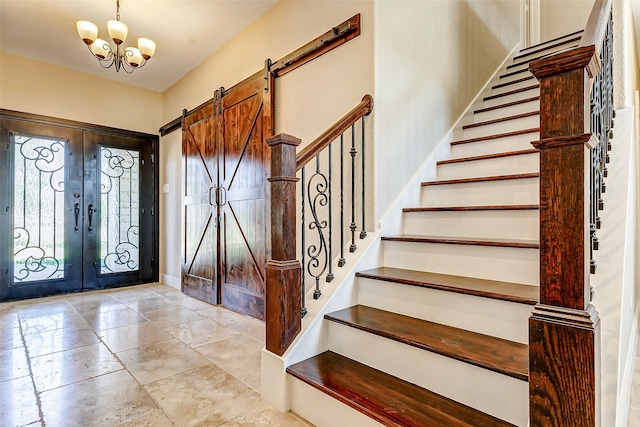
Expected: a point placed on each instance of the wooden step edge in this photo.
(528, 61)
(389, 400)
(535, 46)
(487, 156)
(542, 49)
(460, 351)
(495, 136)
(409, 238)
(490, 291)
(473, 208)
(506, 105)
(513, 73)
(502, 119)
(524, 79)
(482, 179)
(512, 92)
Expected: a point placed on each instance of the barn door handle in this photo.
(211, 188)
(76, 212)
(221, 196)
(91, 211)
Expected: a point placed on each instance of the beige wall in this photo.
(560, 17)
(432, 57)
(308, 100)
(39, 88)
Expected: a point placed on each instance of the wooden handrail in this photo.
(597, 24)
(364, 108)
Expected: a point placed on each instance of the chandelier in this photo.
(128, 58)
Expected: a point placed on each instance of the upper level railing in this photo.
(576, 117)
(321, 216)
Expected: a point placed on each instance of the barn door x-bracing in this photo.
(225, 197)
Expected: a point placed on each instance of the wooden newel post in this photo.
(283, 308)
(564, 338)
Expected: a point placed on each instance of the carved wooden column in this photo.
(283, 308)
(564, 328)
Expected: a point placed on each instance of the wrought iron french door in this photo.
(77, 210)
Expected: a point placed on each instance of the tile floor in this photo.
(138, 356)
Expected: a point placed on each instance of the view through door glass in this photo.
(76, 210)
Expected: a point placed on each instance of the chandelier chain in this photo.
(117, 10)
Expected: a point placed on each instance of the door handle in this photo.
(221, 196)
(91, 211)
(76, 212)
(211, 188)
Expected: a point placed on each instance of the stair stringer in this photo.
(276, 387)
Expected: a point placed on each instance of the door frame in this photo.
(148, 273)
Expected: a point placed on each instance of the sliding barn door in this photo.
(200, 212)
(245, 122)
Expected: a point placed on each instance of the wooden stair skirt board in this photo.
(505, 291)
(383, 397)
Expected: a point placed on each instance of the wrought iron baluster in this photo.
(363, 232)
(317, 252)
(341, 261)
(330, 258)
(303, 242)
(353, 226)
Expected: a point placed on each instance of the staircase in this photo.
(439, 336)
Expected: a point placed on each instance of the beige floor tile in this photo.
(109, 400)
(67, 367)
(130, 293)
(161, 360)
(252, 327)
(10, 338)
(171, 317)
(205, 396)
(9, 318)
(13, 364)
(59, 340)
(157, 419)
(265, 416)
(239, 355)
(152, 303)
(133, 336)
(200, 332)
(18, 406)
(222, 315)
(51, 322)
(97, 305)
(112, 319)
(39, 308)
(193, 303)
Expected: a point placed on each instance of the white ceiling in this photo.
(186, 32)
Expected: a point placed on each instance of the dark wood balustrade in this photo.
(284, 293)
(564, 343)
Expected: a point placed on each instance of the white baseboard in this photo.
(624, 396)
(172, 281)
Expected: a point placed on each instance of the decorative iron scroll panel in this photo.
(602, 115)
(333, 207)
(38, 208)
(120, 205)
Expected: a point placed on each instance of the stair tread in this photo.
(524, 79)
(496, 354)
(513, 73)
(535, 46)
(496, 136)
(502, 119)
(512, 92)
(506, 105)
(473, 208)
(482, 179)
(488, 156)
(467, 241)
(551, 46)
(506, 291)
(383, 397)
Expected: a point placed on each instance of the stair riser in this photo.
(518, 76)
(496, 394)
(484, 262)
(321, 409)
(506, 192)
(513, 110)
(525, 163)
(482, 224)
(494, 146)
(513, 86)
(512, 125)
(511, 98)
(463, 311)
(535, 54)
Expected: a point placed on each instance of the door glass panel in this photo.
(119, 210)
(39, 194)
